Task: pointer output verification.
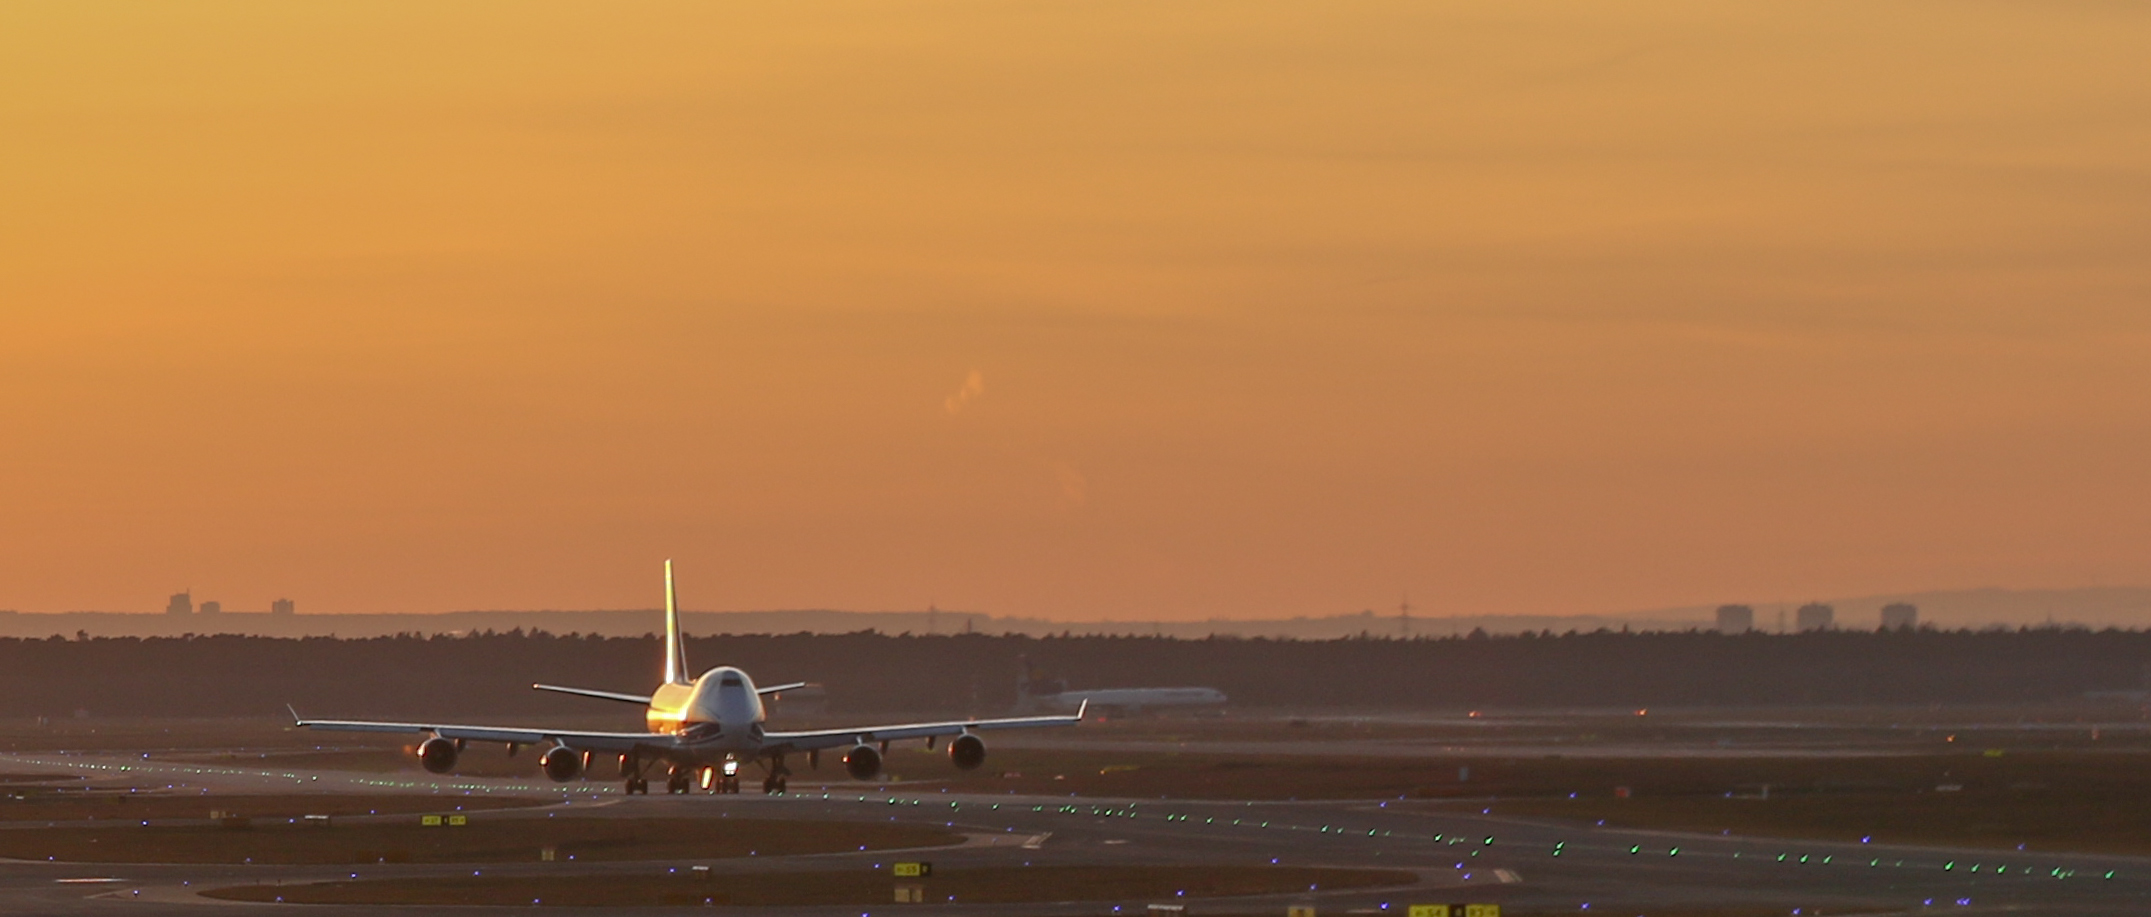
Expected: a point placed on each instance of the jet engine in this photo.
(437, 755)
(862, 762)
(967, 751)
(562, 763)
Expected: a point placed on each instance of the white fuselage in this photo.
(719, 711)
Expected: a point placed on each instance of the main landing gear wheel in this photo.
(679, 780)
(779, 776)
(638, 785)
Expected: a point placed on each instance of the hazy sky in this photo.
(1123, 310)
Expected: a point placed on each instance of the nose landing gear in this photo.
(722, 778)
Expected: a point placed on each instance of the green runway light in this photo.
(1873, 863)
(1803, 858)
(1673, 852)
(1949, 866)
(1781, 858)
(1632, 850)
(2109, 873)
(1489, 840)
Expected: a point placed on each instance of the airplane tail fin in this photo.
(675, 651)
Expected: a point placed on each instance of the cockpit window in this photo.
(729, 681)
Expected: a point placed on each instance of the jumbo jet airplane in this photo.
(701, 729)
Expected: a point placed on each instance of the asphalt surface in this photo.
(1526, 866)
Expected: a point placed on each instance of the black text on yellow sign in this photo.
(1454, 910)
(914, 870)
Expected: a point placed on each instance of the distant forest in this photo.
(490, 673)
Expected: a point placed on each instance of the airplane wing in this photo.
(580, 741)
(835, 738)
(601, 695)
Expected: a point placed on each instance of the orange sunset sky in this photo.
(1138, 310)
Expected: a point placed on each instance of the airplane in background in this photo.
(1034, 691)
(700, 730)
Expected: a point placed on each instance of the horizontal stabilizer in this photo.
(772, 689)
(601, 695)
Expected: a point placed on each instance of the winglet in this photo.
(675, 652)
(1082, 708)
(296, 719)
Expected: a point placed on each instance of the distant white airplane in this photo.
(701, 730)
(1036, 692)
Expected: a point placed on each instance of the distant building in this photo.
(283, 607)
(1900, 616)
(1814, 616)
(211, 608)
(181, 604)
(1735, 619)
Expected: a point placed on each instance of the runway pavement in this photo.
(1527, 866)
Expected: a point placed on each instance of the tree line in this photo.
(868, 672)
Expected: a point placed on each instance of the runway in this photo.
(1525, 865)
